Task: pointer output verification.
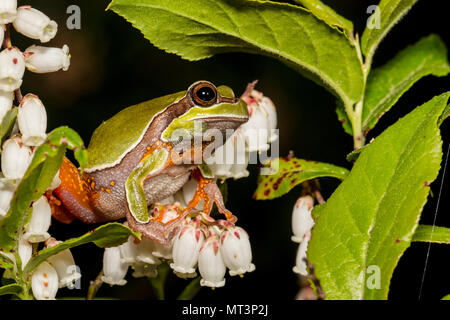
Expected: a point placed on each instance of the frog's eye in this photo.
(204, 94)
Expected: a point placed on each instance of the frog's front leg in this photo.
(151, 164)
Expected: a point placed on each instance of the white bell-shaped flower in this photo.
(144, 270)
(300, 264)
(144, 252)
(129, 250)
(223, 159)
(40, 59)
(41, 217)
(162, 251)
(6, 101)
(34, 24)
(64, 265)
(16, 158)
(256, 129)
(25, 250)
(236, 251)
(241, 157)
(12, 68)
(44, 282)
(114, 270)
(6, 194)
(186, 249)
(271, 112)
(302, 221)
(188, 190)
(210, 263)
(8, 12)
(2, 31)
(56, 182)
(32, 119)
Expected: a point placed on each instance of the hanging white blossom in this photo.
(34, 24)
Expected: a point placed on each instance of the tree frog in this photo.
(136, 160)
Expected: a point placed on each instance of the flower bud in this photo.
(16, 158)
(300, 264)
(114, 270)
(40, 59)
(32, 119)
(186, 248)
(302, 221)
(236, 251)
(34, 24)
(12, 68)
(41, 217)
(210, 263)
(64, 265)
(44, 282)
(6, 101)
(8, 12)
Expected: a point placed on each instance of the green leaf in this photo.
(444, 115)
(6, 262)
(7, 124)
(432, 234)
(38, 177)
(13, 288)
(391, 11)
(280, 175)
(198, 29)
(191, 290)
(386, 84)
(447, 297)
(370, 219)
(328, 15)
(343, 117)
(108, 235)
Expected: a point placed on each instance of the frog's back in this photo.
(117, 136)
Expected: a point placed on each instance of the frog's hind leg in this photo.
(70, 199)
(209, 192)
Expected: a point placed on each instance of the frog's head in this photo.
(207, 107)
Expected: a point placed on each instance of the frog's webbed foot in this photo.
(209, 192)
(163, 226)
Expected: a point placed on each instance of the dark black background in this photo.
(113, 66)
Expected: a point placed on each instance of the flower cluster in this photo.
(28, 133)
(231, 159)
(302, 223)
(211, 245)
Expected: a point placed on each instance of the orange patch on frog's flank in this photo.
(74, 192)
(112, 183)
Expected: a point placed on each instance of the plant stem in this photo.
(159, 282)
(95, 286)
(191, 290)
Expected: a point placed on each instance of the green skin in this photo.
(130, 158)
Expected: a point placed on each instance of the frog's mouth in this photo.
(223, 119)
